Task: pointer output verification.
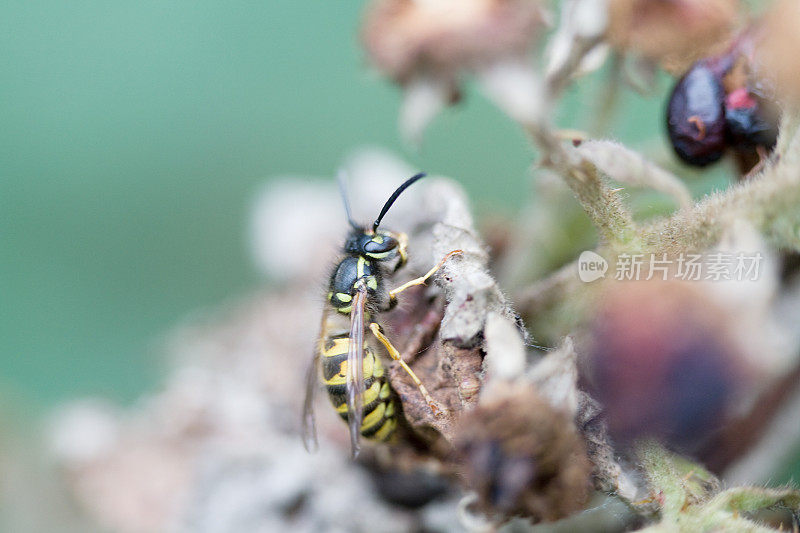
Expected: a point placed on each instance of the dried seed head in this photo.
(439, 38)
(522, 457)
(663, 364)
(776, 51)
(675, 33)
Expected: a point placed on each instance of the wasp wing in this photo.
(309, 426)
(309, 422)
(355, 368)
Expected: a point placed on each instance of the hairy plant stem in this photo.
(603, 205)
(769, 201)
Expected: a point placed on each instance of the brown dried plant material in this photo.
(407, 37)
(452, 368)
(466, 367)
(607, 473)
(777, 49)
(675, 33)
(522, 457)
(470, 289)
(519, 449)
(555, 377)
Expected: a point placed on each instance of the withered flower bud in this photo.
(405, 38)
(674, 33)
(662, 363)
(523, 458)
(776, 50)
(427, 45)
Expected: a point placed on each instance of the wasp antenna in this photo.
(394, 196)
(341, 178)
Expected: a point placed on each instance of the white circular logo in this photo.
(591, 266)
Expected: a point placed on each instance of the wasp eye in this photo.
(380, 244)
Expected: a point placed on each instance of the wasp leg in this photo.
(435, 407)
(421, 280)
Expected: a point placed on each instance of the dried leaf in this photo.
(556, 377)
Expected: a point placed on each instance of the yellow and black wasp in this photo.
(352, 371)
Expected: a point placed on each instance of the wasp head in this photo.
(379, 245)
(373, 243)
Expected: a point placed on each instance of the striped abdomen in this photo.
(379, 420)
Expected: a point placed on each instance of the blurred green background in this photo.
(133, 137)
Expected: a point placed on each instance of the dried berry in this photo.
(749, 120)
(718, 104)
(696, 116)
